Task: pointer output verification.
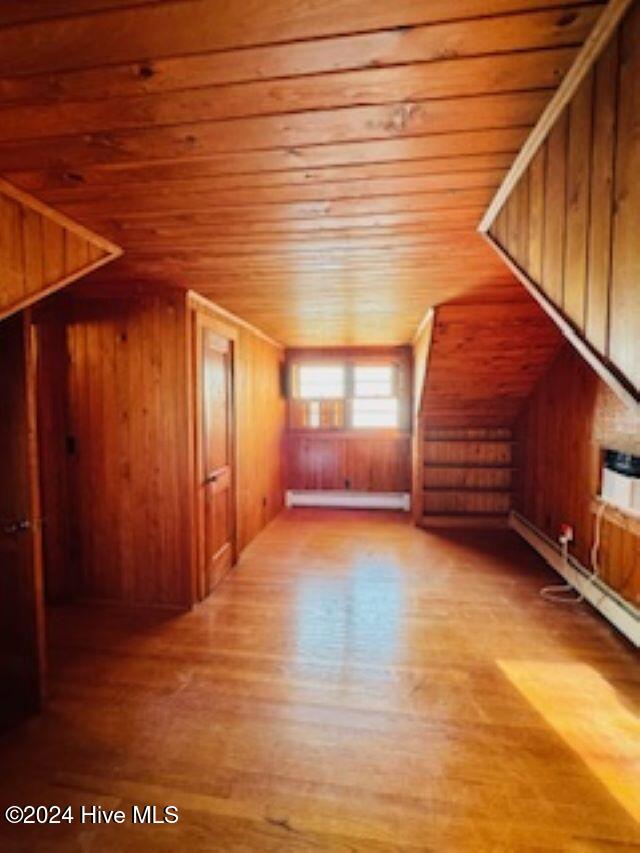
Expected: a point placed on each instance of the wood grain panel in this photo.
(624, 338)
(316, 462)
(569, 419)
(166, 29)
(536, 215)
(555, 211)
(115, 415)
(357, 462)
(484, 362)
(466, 475)
(127, 416)
(351, 459)
(599, 257)
(40, 250)
(579, 143)
(420, 44)
(175, 140)
(590, 254)
(432, 80)
(192, 138)
(260, 433)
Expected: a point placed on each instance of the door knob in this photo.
(210, 479)
(14, 527)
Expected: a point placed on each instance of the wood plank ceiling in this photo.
(318, 168)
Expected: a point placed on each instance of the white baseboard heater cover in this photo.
(620, 613)
(349, 499)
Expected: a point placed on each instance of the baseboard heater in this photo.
(620, 613)
(349, 500)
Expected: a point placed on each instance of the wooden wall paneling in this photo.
(555, 208)
(41, 250)
(579, 138)
(534, 260)
(127, 410)
(513, 220)
(12, 283)
(624, 340)
(357, 462)
(260, 422)
(601, 209)
(316, 462)
(129, 422)
(523, 219)
(378, 464)
(590, 258)
(360, 460)
(569, 419)
(498, 229)
(33, 257)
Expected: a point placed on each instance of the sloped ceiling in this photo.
(317, 168)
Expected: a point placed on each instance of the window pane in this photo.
(375, 413)
(373, 381)
(314, 414)
(320, 382)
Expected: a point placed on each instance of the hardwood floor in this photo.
(356, 684)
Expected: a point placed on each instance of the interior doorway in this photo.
(21, 599)
(214, 354)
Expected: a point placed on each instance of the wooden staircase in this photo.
(467, 476)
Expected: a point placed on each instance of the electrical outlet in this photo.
(566, 533)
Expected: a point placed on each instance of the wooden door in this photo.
(21, 602)
(216, 454)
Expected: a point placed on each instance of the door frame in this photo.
(199, 318)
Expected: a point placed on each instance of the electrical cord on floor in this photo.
(566, 593)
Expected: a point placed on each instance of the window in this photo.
(376, 381)
(348, 394)
(321, 382)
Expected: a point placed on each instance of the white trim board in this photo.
(620, 613)
(349, 500)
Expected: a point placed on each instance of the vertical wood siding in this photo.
(572, 224)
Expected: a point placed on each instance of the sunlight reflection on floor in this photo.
(584, 709)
